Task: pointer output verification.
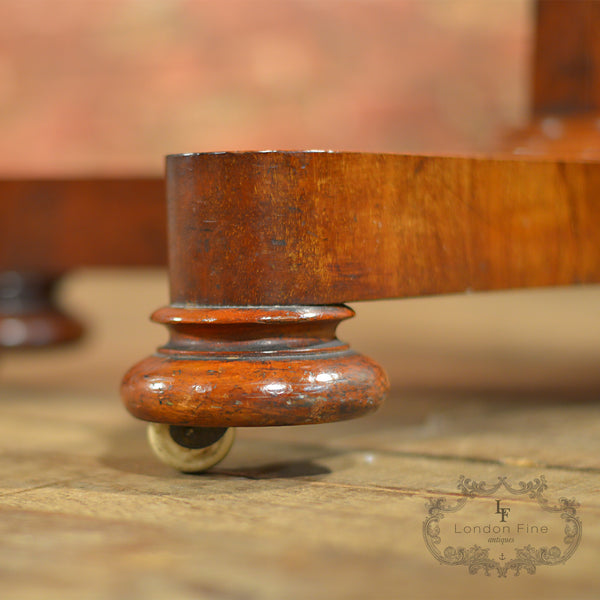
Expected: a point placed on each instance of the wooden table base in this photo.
(264, 248)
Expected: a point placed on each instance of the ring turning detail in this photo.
(246, 367)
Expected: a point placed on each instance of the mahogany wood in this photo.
(253, 366)
(326, 228)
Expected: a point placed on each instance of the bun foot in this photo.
(29, 316)
(250, 367)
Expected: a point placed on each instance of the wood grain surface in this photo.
(318, 228)
(322, 228)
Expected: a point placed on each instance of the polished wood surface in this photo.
(253, 367)
(323, 228)
(55, 225)
(266, 228)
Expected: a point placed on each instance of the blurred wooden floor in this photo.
(329, 511)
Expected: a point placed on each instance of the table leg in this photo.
(29, 316)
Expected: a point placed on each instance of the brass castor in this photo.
(190, 449)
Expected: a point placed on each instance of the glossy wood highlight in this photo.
(253, 366)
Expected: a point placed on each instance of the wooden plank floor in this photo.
(330, 511)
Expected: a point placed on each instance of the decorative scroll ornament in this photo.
(527, 558)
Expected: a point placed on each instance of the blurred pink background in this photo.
(110, 86)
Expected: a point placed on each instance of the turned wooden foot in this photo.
(248, 367)
(28, 313)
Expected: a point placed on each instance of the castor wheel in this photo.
(190, 449)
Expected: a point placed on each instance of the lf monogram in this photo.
(502, 511)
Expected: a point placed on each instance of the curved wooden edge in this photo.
(324, 228)
(249, 315)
